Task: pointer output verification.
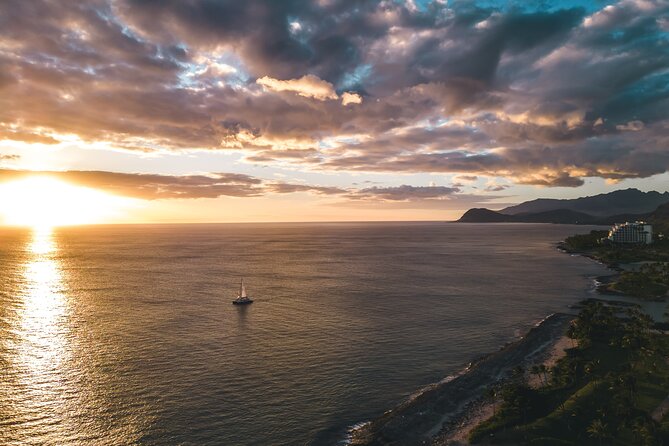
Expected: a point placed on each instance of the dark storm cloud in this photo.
(544, 97)
(614, 157)
(513, 33)
(261, 31)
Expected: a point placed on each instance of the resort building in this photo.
(638, 232)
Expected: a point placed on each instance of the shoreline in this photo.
(444, 413)
(657, 307)
(437, 412)
(457, 433)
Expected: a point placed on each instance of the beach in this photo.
(457, 432)
(444, 413)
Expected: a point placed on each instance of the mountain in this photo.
(661, 214)
(564, 216)
(482, 215)
(626, 201)
(660, 218)
(603, 209)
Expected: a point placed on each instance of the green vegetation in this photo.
(614, 255)
(651, 281)
(596, 246)
(602, 392)
(585, 242)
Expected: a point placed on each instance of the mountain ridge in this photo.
(622, 201)
(605, 209)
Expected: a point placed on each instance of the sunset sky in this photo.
(206, 110)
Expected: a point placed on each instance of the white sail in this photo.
(242, 290)
(242, 298)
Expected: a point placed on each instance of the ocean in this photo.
(115, 335)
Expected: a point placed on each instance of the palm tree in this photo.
(536, 371)
(628, 381)
(571, 334)
(643, 430)
(491, 392)
(599, 430)
(590, 366)
(544, 370)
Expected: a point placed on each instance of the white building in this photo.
(637, 232)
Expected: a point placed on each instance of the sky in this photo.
(324, 110)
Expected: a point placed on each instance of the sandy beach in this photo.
(458, 432)
(444, 413)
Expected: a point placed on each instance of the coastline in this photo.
(657, 307)
(444, 413)
(438, 414)
(458, 432)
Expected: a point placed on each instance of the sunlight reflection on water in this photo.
(126, 335)
(55, 384)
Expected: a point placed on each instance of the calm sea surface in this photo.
(118, 335)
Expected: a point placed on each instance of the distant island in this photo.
(602, 209)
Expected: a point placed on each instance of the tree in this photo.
(628, 382)
(590, 366)
(571, 334)
(544, 371)
(518, 374)
(491, 392)
(644, 432)
(599, 430)
(535, 370)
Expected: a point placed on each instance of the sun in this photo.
(45, 202)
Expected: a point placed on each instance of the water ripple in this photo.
(126, 335)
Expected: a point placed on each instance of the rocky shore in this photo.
(433, 415)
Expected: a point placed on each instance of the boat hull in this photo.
(242, 302)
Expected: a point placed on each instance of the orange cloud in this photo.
(308, 86)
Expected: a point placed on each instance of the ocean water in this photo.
(115, 335)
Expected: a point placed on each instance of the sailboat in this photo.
(242, 298)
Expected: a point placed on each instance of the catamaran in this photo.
(242, 298)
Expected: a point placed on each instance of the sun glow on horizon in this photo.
(45, 202)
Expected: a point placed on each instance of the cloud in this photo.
(350, 98)
(287, 188)
(154, 186)
(540, 94)
(26, 136)
(213, 185)
(467, 178)
(308, 86)
(632, 126)
(406, 193)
